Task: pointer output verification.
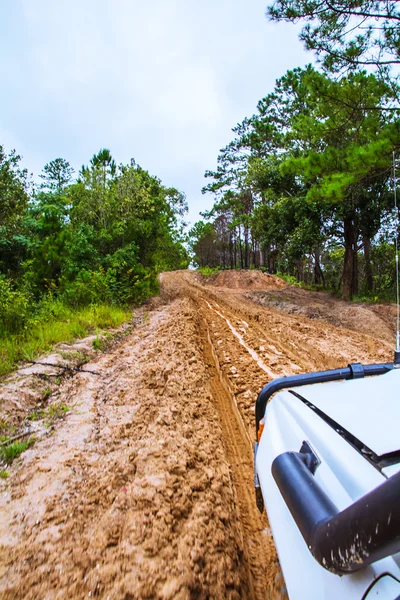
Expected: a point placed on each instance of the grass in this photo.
(4, 474)
(290, 279)
(51, 413)
(12, 451)
(98, 343)
(209, 271)
(7, 430)
(4, 426)
(56, 411)
(384, 297)
(54, 325)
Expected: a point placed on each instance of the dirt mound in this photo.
(378, 320)
(244, 280)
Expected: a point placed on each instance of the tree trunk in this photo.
(254, 253)
(318, 273)
(261, 257)
(367, 259)
(271, 259)
(231, 254)
(246, 247)
(354, 288)
(350, 274)
(299, 270)
(240, 248)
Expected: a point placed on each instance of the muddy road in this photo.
(144, 488)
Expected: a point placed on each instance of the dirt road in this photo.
(144, 488)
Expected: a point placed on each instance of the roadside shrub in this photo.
(207, 271)
(49, 309)
(139, 285)
(44, 331)
(91, 287)
(14, 308)
(290, 279)
(116, 286)
(384, 269)
(130, 282)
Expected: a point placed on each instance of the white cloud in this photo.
(163, 82)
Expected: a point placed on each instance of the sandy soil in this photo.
(378, 319)
(144, 488)
(242, 280)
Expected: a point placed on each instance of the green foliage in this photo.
(98, 343)
(202, 242)
(15, 307)
(105, 236)
(11, 451)
(56, 411)
(89, 287)
(56, 175)
(13, 206)
(73, 253)
(104, 161)
(333, 266)
(345, 33)
(56, 322)
(384, 270)
(305, 177)
(4, 474)
(288, 278)
(370, 298)
(13, 186)
(50, 414)
(208, 271)
(4, 426)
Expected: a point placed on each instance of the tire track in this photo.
(265, 576)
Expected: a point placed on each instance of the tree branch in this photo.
(353, 13)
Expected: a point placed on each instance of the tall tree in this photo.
(336, 147)
(316, 157)
(13, 188)
(50, 239)
(57, 174)
(104, 161)
(345, 33)
(13, 209)
(202, 242)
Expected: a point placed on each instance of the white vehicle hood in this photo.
(368, 408)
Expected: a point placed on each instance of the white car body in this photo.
(368, 408)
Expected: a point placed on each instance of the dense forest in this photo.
(71, 249)
(306, 186)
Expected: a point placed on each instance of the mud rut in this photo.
(145, 489)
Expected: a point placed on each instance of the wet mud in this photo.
(145, 488)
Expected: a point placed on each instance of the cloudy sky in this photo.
(161, 81)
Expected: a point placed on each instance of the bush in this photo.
(91, 287)
(209, 271)
(289, 279)
(14, 308)
(116, 286)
